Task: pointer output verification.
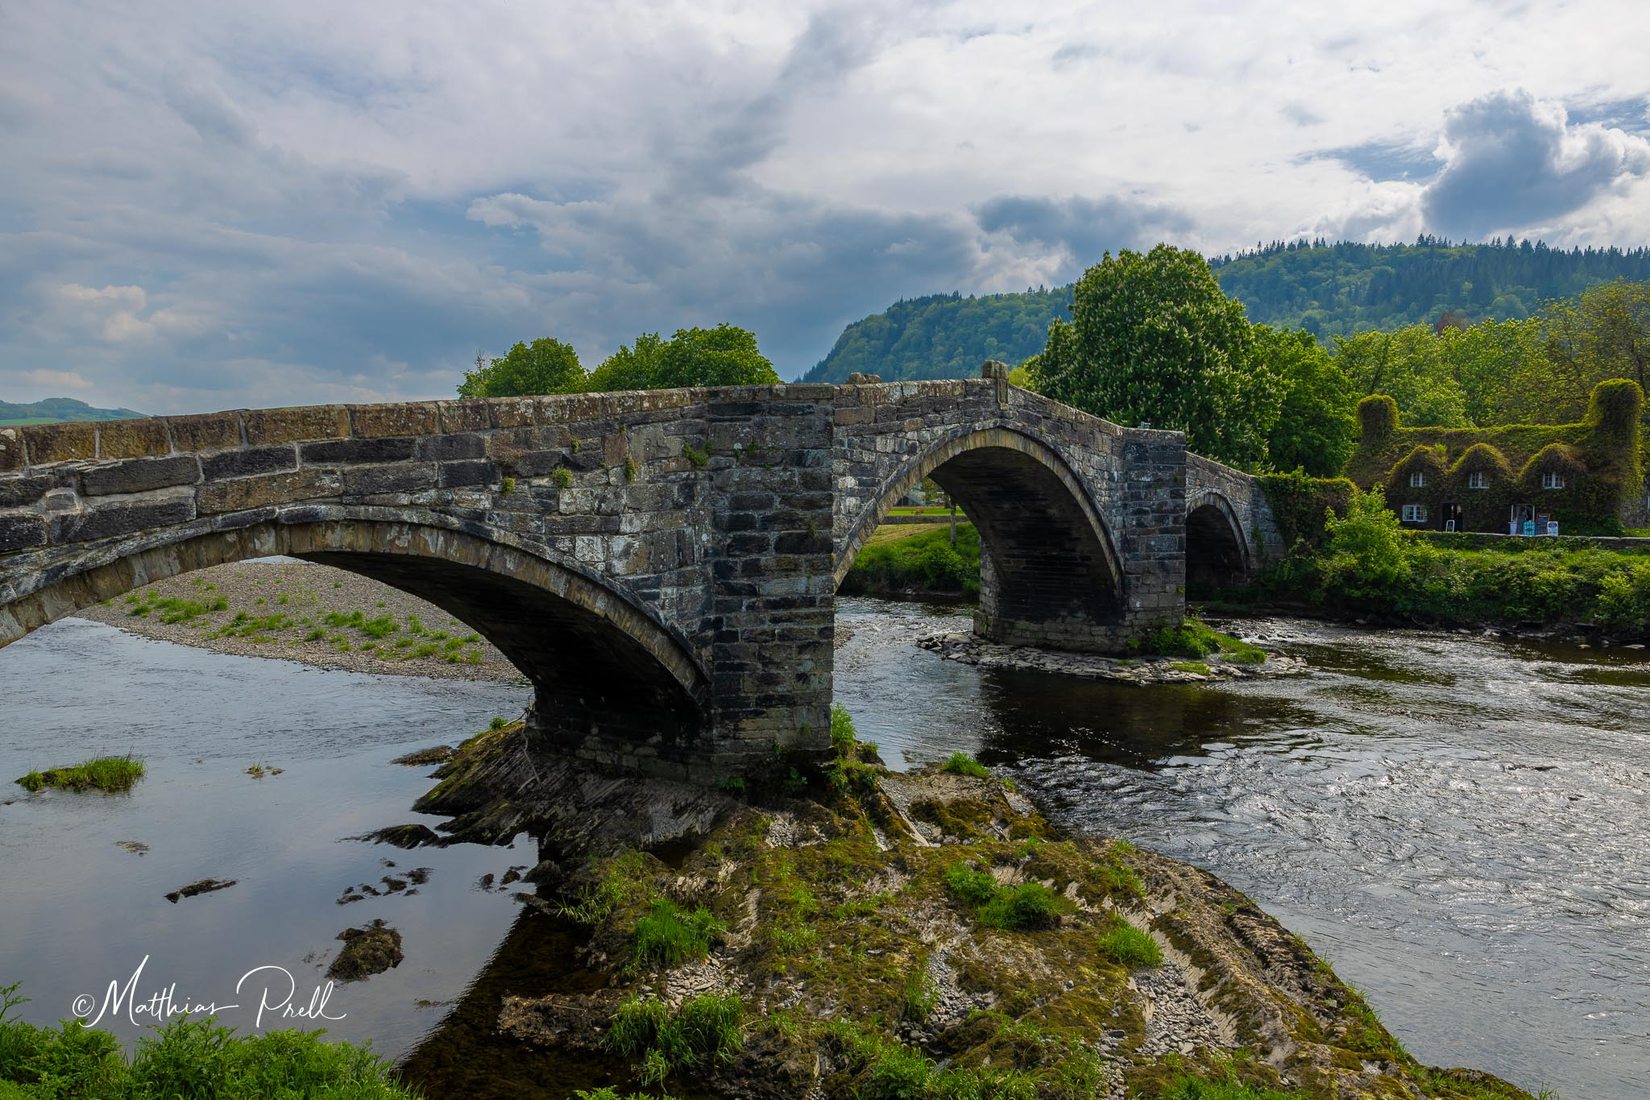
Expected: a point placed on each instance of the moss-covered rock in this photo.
(841, 955)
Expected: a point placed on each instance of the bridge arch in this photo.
(598, 662)
(1217, 551)
(1047, 555)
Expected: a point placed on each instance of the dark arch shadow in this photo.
(598, 662)
(1046, 553)
(1217, 554)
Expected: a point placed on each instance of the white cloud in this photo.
(312, 200)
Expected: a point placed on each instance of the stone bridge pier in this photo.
(661, 565)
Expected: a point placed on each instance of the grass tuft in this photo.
(110, 774)
(960, 763)
(668, 935)
(1128, 945)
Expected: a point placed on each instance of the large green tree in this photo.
(722, 356)
(1154, 340)
(544, 366)
(1317, 427)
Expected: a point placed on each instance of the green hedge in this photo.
(1299, 503)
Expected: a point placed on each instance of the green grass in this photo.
(668, 935)
(707, 1030)
(1197, 667)
(1026, 907)
(922, 562)
(184, 1059)
(1130, 946)
(1197, 640)
(111, 774)
(960, 763)
(172, 609)
(1199, 1088)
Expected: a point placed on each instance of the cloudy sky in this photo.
(209, 204)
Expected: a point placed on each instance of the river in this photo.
(1459, 824)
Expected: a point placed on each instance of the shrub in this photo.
(1367, 543)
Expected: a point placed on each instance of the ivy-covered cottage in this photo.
(1589, 478)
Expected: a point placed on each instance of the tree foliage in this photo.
(544, 366)
(944, 336)
(722, 356)
(1328, 289)
(1316, 427)
(1154, 340)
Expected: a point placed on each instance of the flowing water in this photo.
(1460, 825)
(1457, 823)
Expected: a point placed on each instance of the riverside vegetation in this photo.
(1352, 558)
(841, 931)
(1365, 563)
(187, 1058)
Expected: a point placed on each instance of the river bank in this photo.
(316, 614)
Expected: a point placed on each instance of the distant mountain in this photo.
(1328, 289)
(57, 410)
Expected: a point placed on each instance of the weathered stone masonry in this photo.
(661, 565)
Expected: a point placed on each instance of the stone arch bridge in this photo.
(662, 565)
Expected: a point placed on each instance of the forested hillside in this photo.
(944, 335)
(1339, 289)
(54, 410)
(1328, 289)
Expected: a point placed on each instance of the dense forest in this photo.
(1327, 289)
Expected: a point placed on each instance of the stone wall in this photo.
(663, 564)
(704, 514)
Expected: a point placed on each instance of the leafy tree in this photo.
(1317, 428)
(635, 367)
(1502, 371)
(1153, 339)
(1408, 366)
(722, 356)
(545, 366)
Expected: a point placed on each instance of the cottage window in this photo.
(1417, 480)
(1415, 513)
(1552, 480)
(1478, 479)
